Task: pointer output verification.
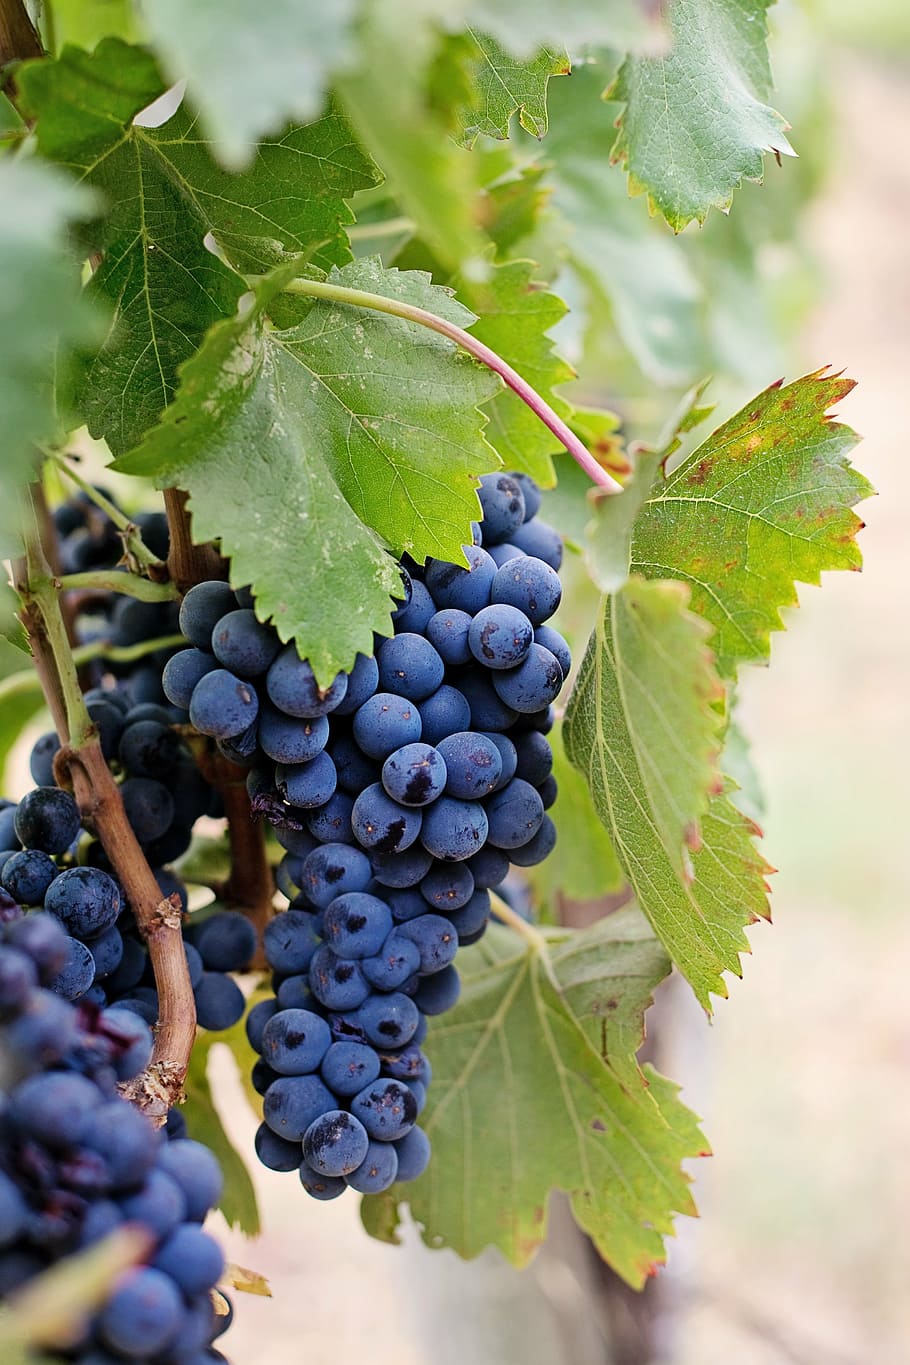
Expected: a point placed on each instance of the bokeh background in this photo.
(802, 1253)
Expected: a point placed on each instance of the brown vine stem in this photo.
(19, 39)
(250, 886)
(187, 563)
(98, 795)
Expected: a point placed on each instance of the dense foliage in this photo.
(300, 271)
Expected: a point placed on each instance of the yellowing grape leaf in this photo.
(763, 503)
(536, 1088)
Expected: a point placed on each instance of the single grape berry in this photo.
(47, 819)
(414, 775)
(336, 1143)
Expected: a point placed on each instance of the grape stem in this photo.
(18, 38)
(188, 564)
(98, 796)
(133, 544)
(504, 912)
(358, 298)
(129, 584)
(22, 683)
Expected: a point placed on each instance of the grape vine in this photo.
(294, 483)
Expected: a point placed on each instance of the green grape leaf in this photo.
(516, 312)
(763, 503)
(389, 99)
(503, 85)
(238, 1200)
(40, 311)
(695, 122)
(583, 866)
(554, 1026)
(250, 79)
(609, 534)
(349, 417)
(165, 194)
(522, 26)
(633, 269)
(643, 727)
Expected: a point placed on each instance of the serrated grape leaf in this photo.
(238, 1199)
(388, 97)
(695, 123)
(765, 502)
(165, 194)
(250, 79)
(349, 417)
(642, 726)
(632, 266)
(40, 311)
(536, 1088)
(583, 866)
(503, 85)
(522, 26)
(608, 535)
(516, 312)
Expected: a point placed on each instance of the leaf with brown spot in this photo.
(764, 503)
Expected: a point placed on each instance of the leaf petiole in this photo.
(129, 584)
(379, 303)
(507, 915)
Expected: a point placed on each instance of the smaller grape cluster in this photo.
(89, 540)
(402, 792)
(106, 959)
(162, 790)
(78, 1161)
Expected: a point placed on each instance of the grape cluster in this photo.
(401, 792)
(106, 959)
(77, 1161)
(88, 540)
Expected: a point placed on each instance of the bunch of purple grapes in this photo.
(77, 1161)
(88, 539)
(402, 792)
(48, 863)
